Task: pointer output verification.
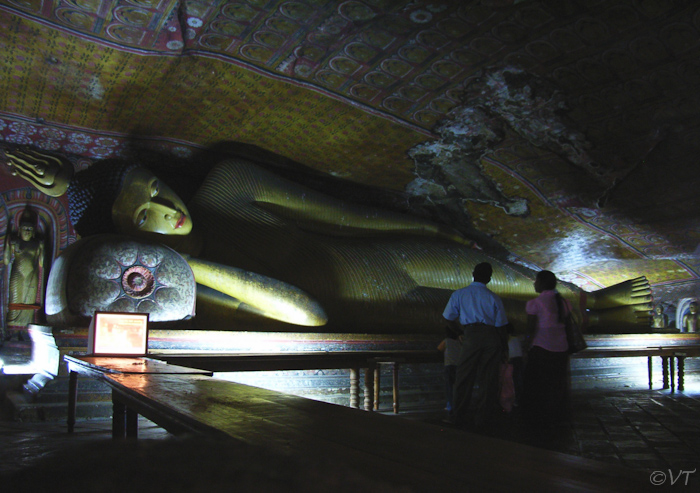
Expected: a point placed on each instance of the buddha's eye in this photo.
(154, 188)
(141, 218)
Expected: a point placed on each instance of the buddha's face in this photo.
(693, 308)
(146, 204)
(658, 310)
(26, 232)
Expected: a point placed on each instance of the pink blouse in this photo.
(549, 332)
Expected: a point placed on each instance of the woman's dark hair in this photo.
(547, 279)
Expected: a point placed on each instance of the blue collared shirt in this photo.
(476, 303)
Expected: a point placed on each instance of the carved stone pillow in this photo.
(122, 274)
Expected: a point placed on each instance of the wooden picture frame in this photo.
(118, 334)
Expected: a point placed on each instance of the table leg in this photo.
(649, 365)
(369, 387)
(354, 377)
(72, 399)
(377, 385)
(132, 423)
(395, 385)
(118, 418)
(671, 371)
(681, 372)
(664, 364)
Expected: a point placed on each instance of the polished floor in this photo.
(656, 432)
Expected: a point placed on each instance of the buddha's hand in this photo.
(48, 173)
(272, 298)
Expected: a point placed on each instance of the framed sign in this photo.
(118, 334)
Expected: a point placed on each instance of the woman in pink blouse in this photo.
(545, 397)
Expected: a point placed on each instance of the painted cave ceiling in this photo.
(558, 134)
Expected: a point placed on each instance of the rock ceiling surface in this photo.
(560, 134)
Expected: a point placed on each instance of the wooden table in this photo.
(352, 360)
(386, 449)
(124, 421)
(667, 355)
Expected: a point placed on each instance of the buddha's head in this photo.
(120, 197)
(27, 225)
(146, 204)
(693, 308)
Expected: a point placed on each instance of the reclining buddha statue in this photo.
(271, 254)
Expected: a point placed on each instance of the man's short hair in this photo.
(483, 271)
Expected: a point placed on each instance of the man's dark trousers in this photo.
(479, 363)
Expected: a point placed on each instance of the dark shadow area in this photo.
(644, 430)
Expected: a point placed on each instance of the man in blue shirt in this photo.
(477, 313)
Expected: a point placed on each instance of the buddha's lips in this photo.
(180, 221)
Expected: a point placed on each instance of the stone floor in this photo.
(652, 431)
(26, 444)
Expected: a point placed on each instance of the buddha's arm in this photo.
(7, 252)
(319, 212)
(40, 254)
(274, 299)
(48, 173)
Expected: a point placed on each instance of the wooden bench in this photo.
(667, 355)
(405, 453)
